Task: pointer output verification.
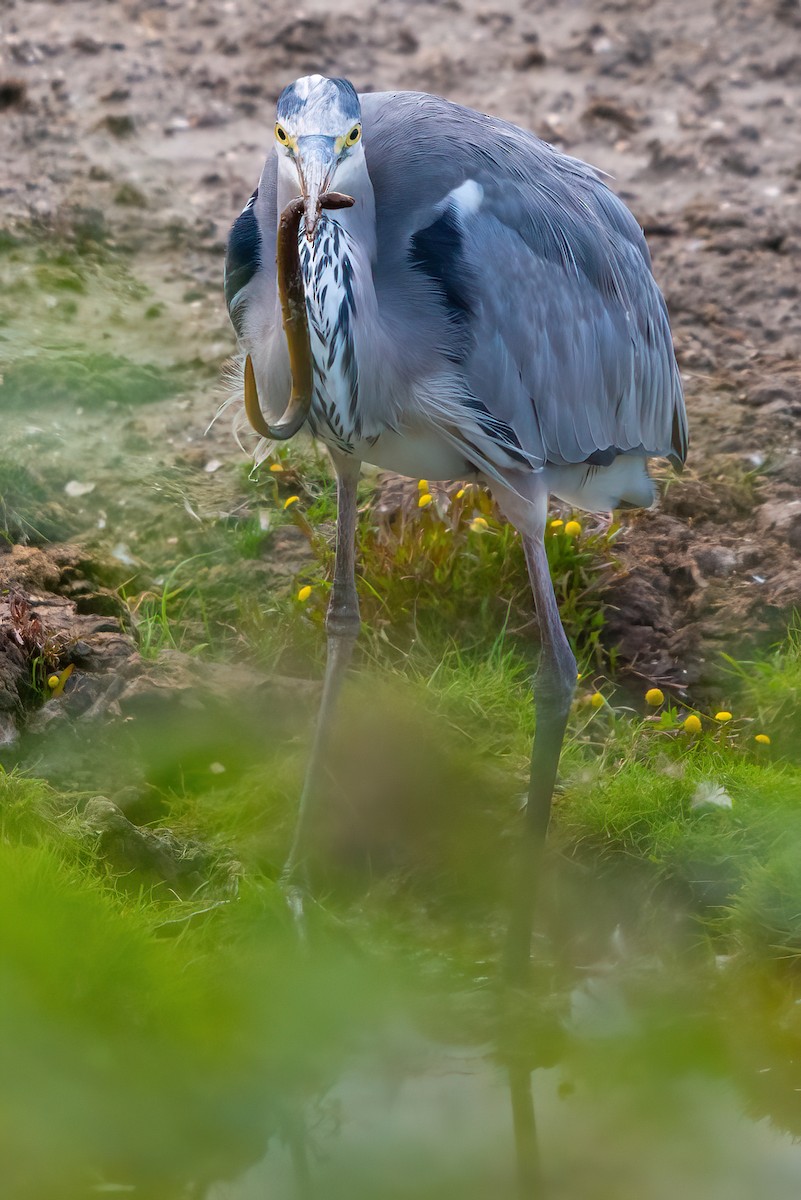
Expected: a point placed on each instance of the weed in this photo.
(158, 616)
(253, 535)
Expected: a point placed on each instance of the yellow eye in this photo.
(353, 136)
(282, 135)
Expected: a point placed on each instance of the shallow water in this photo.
(419, 1119)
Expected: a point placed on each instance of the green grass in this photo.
(641, 801)
(161, 1037)
(771, 690)
(166, 616)
(451, 661)
(27, 512)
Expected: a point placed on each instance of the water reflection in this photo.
(638, 1065)
(426, 1120)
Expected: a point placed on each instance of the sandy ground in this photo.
(158, 113)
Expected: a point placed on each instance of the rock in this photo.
(176, 678)
(605, 109)
(739, 164)
(715, 561)
(782, 517)
(405, 42)
(531, 57)
(130, 196)
(44, 631)
(135, 853)
(141, 805)
(121, 125)
(768, 393)
(666, 160)
(13, 93)
(790, 471)
(86, 44)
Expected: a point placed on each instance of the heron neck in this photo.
(340, 299)
(351, 357)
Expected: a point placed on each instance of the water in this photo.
(420, 1119)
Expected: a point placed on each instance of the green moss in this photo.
(85, 379)
(60, 279)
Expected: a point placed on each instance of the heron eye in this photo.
(282, 135)
(353, 136)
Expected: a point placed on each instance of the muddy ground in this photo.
(149, 120)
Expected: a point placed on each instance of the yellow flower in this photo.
(723, 716)
(459, 494)
(304, 594)
(425, 500)
(422, 485)
(597, 700)
(557, 523)
(654, 697)
(573, 529)
(290, 500)
(692, 724)
(53, 682)
(762, 739)
(478, 525)
(276, 467)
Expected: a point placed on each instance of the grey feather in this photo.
(556, 274)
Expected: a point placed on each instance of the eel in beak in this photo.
(295, 322)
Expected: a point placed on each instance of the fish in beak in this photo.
(316, 163)
(294, 319)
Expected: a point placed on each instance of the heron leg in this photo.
(529, 1171)
(342, 625)
(554, 685)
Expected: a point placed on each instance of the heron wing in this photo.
(553, 313)
(250, 249)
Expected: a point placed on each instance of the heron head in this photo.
(318, 135)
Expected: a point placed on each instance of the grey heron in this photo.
(468, 303)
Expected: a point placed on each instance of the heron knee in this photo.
(342, 619)
(555, 679)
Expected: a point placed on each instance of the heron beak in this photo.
(316, 163)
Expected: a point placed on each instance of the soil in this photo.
(153, 115)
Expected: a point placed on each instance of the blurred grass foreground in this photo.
(167, 1033)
